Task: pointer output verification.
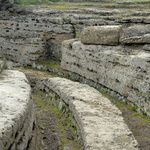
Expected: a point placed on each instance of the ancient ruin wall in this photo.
(16, 111)
(100, 122)
(29, 38)
(29, 34)
(124, 69)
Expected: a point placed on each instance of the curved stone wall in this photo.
(100, 122)
(124, 69)
(16, 111)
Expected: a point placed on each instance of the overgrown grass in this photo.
(126, 105)
(48, 102)
(49, 63)
(34, 2)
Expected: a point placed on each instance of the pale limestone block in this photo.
(108, 35)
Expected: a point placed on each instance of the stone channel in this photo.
(111, 55)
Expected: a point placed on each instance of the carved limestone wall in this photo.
(16, 111)
(100, 122)
(31, 33)
(124, 69)
(29, 38)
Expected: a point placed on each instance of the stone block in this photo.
(136, 34)
(108, 35)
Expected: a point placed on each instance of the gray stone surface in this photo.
(23, 38)
(23, 51)
(108, 35)
(115, 67)
(16, 111)
(136, 34)
(100, 122)
(2, 63)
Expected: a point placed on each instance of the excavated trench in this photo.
(56, 128)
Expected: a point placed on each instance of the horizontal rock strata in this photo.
(16, 111)
(29, 38)
(100, 122)
(23, 51)
(136, 34)
(123, 69)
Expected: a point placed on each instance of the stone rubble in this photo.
(33, 34)
(23, 23)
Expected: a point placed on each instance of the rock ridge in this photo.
(101, 124)
(16, 111)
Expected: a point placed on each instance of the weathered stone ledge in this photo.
(113, 35)
(100, 122)
(23, 51)
(16, 111)
(111, 67)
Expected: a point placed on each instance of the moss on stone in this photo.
(49, 63)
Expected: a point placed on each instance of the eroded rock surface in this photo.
(16, 111)
(2, 63)
(123, 69)
(136, 34)
(29, 38)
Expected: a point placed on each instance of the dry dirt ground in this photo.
(54, 127)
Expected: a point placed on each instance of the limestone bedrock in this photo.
(30, 38)
(108, 35)
(111, 67)
(101, 123)
(16, 111)
(2, 63)
(136, 34)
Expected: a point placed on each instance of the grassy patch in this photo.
(49, 63)
(77, 35)
(34, 2)
(126, 105)
(49, 103)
